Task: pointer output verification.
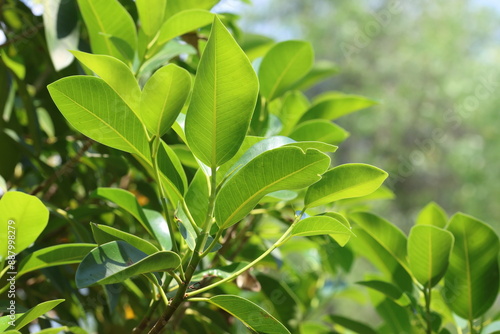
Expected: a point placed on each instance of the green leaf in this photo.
(472, 280)
(284, 168)
(183, 23)
(60, 22)
(429, 250)
(22, 219)
(319, 130)
(295, 104)
(356, 326)
(160, 228)
(397, 318)
(345, 181)
(116, 74)
(163, 97)
(25, 318)
(388, 290)
(104, 234)
(176, 6)
(220, 272)
(174, 180)
(386, 234)
(197, 197)
(319, 225)
(224, 96)
(320, 71)
(341, 239)
(432, 214)
(336, 105)
(283, 65)
(254, 317)
(117, 261)
(151, 14)
(108, 20)
(97, 111)
(53, 256)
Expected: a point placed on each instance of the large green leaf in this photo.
(22, 219)
(333, 106)
(320, 130)
(111, 28)
(184, 22)
(151, 14)
(472, 280)
(319, 225)
(249, 313)
(345, 181)
(432, 214)
(163, 97)
(104, 234)
(24, 319)
(117, 261)
(97, 111)
(284, 168)
(54, 256)
(429, 250)
(283, 65)
(224, 96)
(116, 74)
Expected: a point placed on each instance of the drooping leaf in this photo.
(22, 219)
(429, 250)
(117, 261)
(111, 28)
(432, 214)
(284, 168)
(345, 181)
(333, 106)
(319, 225)
(249, 313)
(104, 234)
(163, 97)
(24, 319)
(472, 280)
(283, 65)
(319, 130)
(184, 22)
(224, 95)
(116, 74)
(151, 14)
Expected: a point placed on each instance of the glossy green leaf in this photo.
(429, 250)
(197, 197)
(110, 26)
(117, 261)
(319, 225)
(104, 234)
(159, 227)
(151, 14)
(356, 326)
(163, 97)
(183, 23)
(472, 280)
(97, 111)
(224, 96)
(284, 168)
(336, 105)
(25, 318)
(341, 239)
(22, 219)
(253, 316)
(345, 181)
(319, 130)
(388, 290)
(175, 180)
(432, 214)
(295, 104)
(61, 31)
(284, 64)
(116, 74)
(320, 71)
(317, 145)
(54, 256)
(176, 6)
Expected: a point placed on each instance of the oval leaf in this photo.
(151, 14)
(333, 106)
(184, 22)
(319, 225)
(320, 130)
(104, 234)
(117, 261)
(432, 214)
(345, 181)
(224, 96)
(24, 319)
(284, 168)
(429, 250)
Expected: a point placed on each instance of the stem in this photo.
(428, 296)
(471, 326)
(213, 243)
(189, 216)
(144, 323)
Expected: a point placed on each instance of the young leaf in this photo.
(117, 261)
(163, 97)
(432, 214)
(184, 22)
(224, 96)
(319, 130)
(319, 225)
(151, 14)
(283, 65)
(254, 317)
(336, 105)
(104, 234)
(284, 168)
(472, 280)
(429, 250)
(24, 319)
(97, 111)
(110, 27)
(22, 219)
(116, 74)
(345, 181)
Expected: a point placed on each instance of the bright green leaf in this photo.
(341, 239)
(176, 6)
(295, 104)
(388, 290)
(320, 71)
(183, 23)
(319, 130)
(25, 318)
(104, 234)
(151, 14)
(336, 105)
(319, 225)
(432, 214)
